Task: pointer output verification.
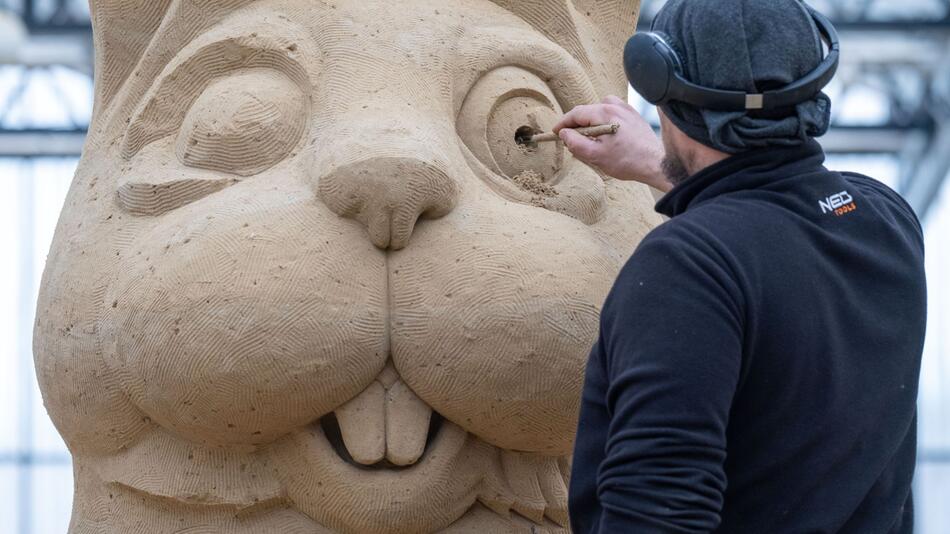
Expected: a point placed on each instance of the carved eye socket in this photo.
(511, 120)
(504, 105)
(243, 124)
(240, 125)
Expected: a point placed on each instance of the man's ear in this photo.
(593, 31)
(122, 29)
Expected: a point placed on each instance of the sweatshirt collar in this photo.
(746, 170)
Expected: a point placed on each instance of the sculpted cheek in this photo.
(235, 333)
(494, 314)
(630, 216)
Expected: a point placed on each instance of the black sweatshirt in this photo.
(758, 360)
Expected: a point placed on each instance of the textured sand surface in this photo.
(305, 279)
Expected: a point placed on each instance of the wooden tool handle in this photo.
(589, 131)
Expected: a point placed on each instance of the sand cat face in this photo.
(306, 278)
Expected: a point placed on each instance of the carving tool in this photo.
(589, 131)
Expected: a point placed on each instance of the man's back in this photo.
(805, 290)
(832, 359)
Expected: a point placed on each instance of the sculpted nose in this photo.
(388, 195)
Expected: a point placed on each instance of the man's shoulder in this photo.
(709, 224)
(696, 240)
(874, 188)
(733, 232)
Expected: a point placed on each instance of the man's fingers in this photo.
(584, 148)
(589, 115)
(617, 101)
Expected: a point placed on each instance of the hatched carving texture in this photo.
(306, 280)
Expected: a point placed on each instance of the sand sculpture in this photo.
(306, 281)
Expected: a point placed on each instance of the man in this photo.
(758, 361)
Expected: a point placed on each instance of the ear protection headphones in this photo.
(656, 72)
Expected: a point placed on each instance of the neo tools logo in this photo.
(840, 204)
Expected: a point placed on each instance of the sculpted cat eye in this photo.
(209, 61)
(243, 124)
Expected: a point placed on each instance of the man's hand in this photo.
(633, 153)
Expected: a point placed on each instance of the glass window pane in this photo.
(8, 496)
(9, 304)
(51, 502)
(932, 493)
(77, 90)
(934, 400)
(861, 105)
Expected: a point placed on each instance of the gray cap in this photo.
(751, 46)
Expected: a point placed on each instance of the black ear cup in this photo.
(655, 71)
(648, 71)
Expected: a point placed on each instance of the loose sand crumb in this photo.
(525, 149)
(532, 182)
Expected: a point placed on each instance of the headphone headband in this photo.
(656, 72)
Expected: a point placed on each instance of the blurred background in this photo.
(891, 121)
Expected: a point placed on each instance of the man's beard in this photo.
(674, 168)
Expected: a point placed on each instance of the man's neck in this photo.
(703, 157)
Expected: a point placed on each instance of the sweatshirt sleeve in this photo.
(672, 348)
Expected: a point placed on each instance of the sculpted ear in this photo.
(122, 29)
(593, 31)
(612, 22)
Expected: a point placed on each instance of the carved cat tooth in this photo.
(362, 424)
(407, 425)
(564, 465)
(521, 471)
(554, 490)
(497, 502)
(494, 492)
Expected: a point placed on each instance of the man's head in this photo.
(743, 45)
